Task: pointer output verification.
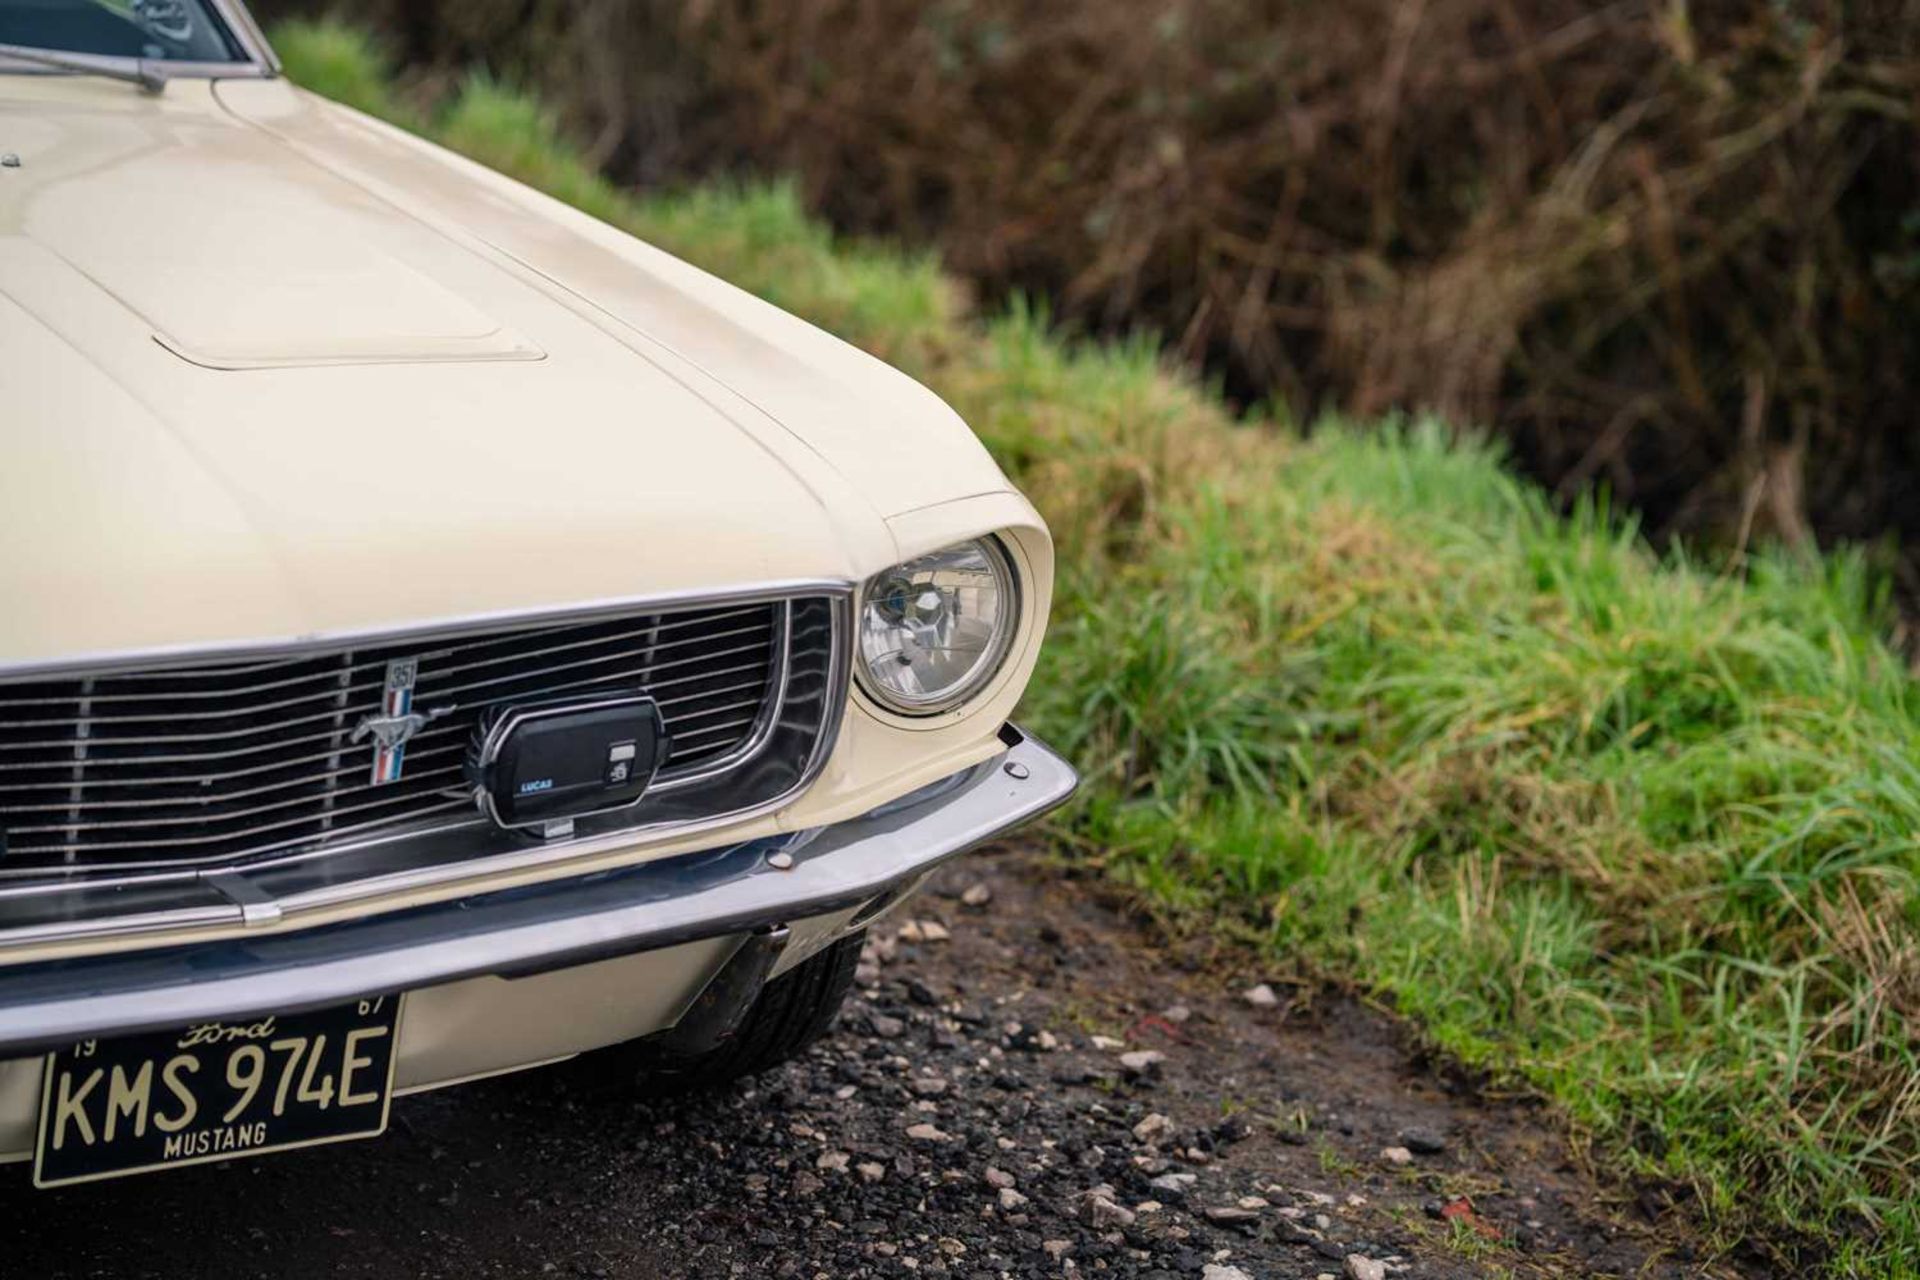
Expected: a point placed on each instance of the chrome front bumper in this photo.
(845, 874)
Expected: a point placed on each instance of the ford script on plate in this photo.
(215, 1091)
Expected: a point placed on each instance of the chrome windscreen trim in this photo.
(115, 64)
(246, 29)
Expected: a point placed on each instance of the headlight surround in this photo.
(934, 630)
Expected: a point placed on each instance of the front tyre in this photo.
(790, 1013)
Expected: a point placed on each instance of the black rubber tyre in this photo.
(792, 1011)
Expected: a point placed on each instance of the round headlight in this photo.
(934, 630)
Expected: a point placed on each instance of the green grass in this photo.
(1635, 830)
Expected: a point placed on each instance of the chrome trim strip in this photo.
(178, 918)
(727, 890)
(188, 655)
(23, 65)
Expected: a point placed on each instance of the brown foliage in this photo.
(1671, 246)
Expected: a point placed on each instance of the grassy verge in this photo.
(1636, 831)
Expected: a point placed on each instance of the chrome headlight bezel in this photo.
(977, 678)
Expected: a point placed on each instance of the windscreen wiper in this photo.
(142, 72)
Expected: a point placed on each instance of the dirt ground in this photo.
(982, 1111)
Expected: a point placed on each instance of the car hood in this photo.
(276, 371)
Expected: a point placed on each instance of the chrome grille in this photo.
(228, 760)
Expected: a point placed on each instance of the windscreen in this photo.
(161, 30)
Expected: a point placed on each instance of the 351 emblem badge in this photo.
(397, 722)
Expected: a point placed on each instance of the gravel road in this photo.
(1026, 1084)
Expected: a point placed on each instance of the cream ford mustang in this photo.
(441, 634)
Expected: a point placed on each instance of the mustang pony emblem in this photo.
(399, 722)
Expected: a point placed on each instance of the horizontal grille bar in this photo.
(454, 751)
(371, 690)
(695, 707)
(237, 759)
(146, 818)
(746, 673)
(415, 811)
(557, 678)
(99, 697)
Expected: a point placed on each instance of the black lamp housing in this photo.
(535, 763)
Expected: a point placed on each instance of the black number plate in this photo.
(215, 1091)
